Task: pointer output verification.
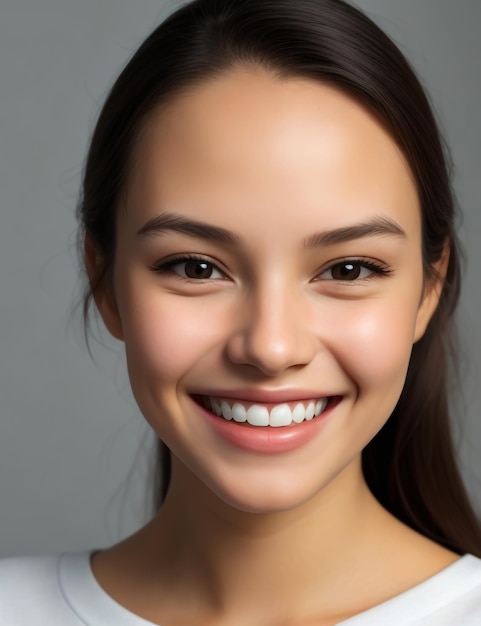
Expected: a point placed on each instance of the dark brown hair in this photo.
(410, 465)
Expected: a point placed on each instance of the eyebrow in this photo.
(173, 222)
(378, 226)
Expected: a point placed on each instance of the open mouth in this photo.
(259, 414)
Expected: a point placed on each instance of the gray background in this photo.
(74, 452)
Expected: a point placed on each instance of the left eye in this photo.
(198, 269)
(190, 268)
(350, 271)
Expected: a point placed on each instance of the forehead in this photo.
(247, 143)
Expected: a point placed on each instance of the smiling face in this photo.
(269, 253)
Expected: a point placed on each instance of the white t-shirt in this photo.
(62, 591)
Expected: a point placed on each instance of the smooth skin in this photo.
(294, 538)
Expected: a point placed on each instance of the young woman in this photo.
(268, 226)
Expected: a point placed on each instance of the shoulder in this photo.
(19, 566)
(460, 593)
(19, 575)
(30, 592)
(452, 596)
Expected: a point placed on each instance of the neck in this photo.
(236, 562)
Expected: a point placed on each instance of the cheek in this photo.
(375, 345)
(166, 336)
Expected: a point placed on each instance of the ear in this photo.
(431, 295)
(101, 291)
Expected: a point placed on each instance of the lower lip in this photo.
(268, 439)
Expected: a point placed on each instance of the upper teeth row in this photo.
(258, 415)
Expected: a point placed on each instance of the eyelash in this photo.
(165, 267)
(378, 269)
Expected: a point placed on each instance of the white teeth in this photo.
(281, 415)
(226, 411)
(311, 409)
(239, 413)
(258, 415)
(299, 413)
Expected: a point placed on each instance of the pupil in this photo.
(346, 271)
(198, 269)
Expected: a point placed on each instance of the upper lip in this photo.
(265, 395)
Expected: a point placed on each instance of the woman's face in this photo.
(306, 284)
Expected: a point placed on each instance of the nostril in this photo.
(271, 351)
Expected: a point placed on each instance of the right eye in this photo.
(190, 268)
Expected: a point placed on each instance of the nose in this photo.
(272, 335)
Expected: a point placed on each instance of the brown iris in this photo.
(346, 271)
(198, 269)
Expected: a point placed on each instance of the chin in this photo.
(265, 503)
(265, 494)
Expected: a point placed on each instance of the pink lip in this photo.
(266, 396)
(267, 439)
